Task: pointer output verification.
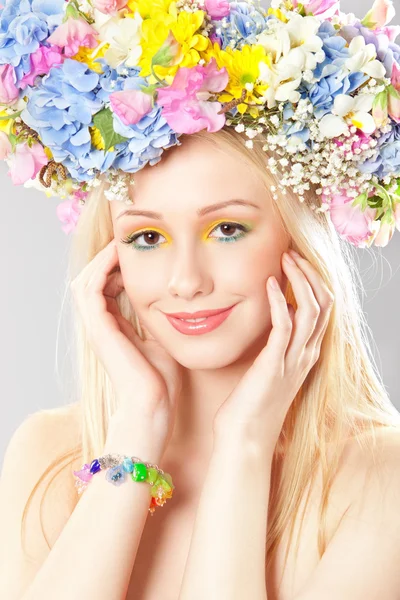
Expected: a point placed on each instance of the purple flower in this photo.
(386, 51)
(386, 160)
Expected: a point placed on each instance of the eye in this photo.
(153, 236)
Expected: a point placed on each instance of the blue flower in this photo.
(61, 110)
(386, 160)
(323, 93)
(147, 140)
(386, 52)
(24, 26)
(335, 49)
(115, 80)
(245, 22)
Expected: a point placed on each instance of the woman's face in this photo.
(193, 257)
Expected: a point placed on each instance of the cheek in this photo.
(253, 267)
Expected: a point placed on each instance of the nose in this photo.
(189, 275)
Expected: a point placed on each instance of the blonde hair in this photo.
(342, 397)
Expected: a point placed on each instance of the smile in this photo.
(201, 325)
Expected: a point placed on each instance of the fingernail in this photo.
(289, 259)
(273, 283)
(294, 253)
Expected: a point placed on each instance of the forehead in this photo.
(193, 175)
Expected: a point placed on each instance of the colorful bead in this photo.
(152, 475)
(84, 474)
(127, 465)
(118, 466)
(116, 475)
(95, 466)
(139, 472)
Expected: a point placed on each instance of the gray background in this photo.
(36, 370)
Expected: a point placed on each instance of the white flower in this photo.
(348, 111)
(362, 58)
(123, 35)
(295, 49)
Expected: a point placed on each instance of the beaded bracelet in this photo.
(119, 466)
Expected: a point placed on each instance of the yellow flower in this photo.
(88, 56)
(276, 12)
(7, 124)
(184, 27)
(97, 139)
(149, 9)
(48, 152)
(242, 66)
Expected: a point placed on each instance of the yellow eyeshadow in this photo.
(153, 229)
(211, 227)
(204, 236)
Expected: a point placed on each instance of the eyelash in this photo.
(130, 239)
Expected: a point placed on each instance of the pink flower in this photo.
(380, 109)
(72, 34)
(394, 94)
(381, 13)
(391, 32)
(384, 234)
(352, 224)
(5, 145)
(41, 62)
(394, 104)
(110, 7)
(185, 103)
(396, 77)
(130, 105)
(323, 9)
(217, 9)
(26, 162)
(8, 89)
(359, 139)
(69, 211)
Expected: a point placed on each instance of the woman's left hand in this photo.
(258, 405)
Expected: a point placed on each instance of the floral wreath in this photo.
(104, 86)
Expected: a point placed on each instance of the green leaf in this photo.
(13, 116)
(367, 22)
(362, 199)
(13, 141)
(72, 12)
(103, 120)
(149, 89)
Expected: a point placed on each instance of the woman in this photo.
(270, 418)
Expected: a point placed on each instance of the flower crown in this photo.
(92, 87)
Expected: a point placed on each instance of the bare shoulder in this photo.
(361, 560)
(28, 474)
(367, 460)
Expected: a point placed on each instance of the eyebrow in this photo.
(200, 212)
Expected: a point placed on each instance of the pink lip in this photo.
(199, 314)
(209, 324)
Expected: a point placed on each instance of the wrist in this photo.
(236, 440)
(131, 440)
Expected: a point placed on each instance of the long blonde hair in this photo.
(343, 395)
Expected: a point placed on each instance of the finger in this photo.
(86, 273)
(99, 276)
(115, 285)
(323, 295)
(308, 310)
(273, 355)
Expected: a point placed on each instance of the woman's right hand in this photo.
(146, 379)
